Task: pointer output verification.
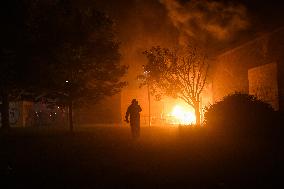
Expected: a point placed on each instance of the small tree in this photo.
(180, 75)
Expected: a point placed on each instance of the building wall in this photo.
(29, 114)
(263, 83)
(20, 113)
(230, 69)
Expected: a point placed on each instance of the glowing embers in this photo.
(182, 115)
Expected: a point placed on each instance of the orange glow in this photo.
(182, 115)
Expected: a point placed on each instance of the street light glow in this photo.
(146, 72)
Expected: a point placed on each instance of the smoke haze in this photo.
(215, 25)
(204, 20)
(141, 24)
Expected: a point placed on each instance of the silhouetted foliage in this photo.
(65, 50)
(10, 45)
(180, 74)
(239, 111)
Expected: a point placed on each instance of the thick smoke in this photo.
(206, 20)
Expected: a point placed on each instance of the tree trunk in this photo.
(5, 110)
(70, 115)
(149, 101)
(197, 113)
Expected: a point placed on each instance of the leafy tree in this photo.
(68, 52)
(10, 34)
(6, 82)
(176, 74)
(81, 51)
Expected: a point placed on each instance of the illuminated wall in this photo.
(231, 69)
(263, 83)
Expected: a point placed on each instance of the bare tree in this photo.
(177, 74)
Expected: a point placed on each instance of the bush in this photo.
(239, 111)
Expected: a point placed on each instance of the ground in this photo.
(108, 157)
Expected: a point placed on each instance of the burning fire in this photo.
(183, 115)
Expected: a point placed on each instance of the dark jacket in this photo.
(134, 111)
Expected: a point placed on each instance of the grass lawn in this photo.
(108, 157)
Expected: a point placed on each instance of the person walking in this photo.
(133, 111)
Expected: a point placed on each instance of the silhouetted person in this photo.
(134, 111)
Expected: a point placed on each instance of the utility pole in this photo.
(149, 104)
(149, 98)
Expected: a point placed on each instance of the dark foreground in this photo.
(160, 158)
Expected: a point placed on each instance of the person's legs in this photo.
(132, 127)
(137, 127)
(138, 131)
